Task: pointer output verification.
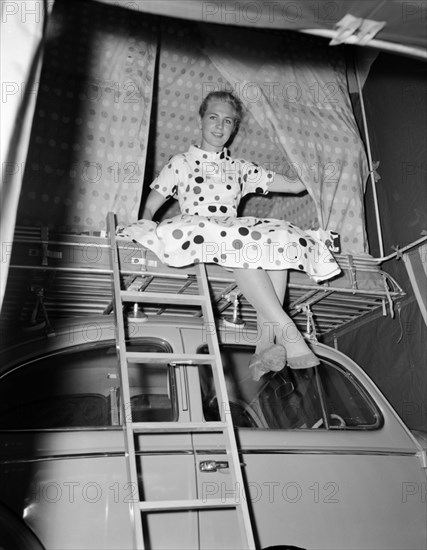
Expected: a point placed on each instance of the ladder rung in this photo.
(162, 298)
(139, 427)
(190, 504)
(177, 358)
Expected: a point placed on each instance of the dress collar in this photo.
(201, 154)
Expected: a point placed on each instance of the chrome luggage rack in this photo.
(58, 275)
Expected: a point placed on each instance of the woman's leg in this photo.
(266, 335)
(259, 288)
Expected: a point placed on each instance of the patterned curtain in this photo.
(186, 75)
(90, 133)
(120, 93)
(296, 89)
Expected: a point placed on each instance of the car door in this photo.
(62, 466)
(328, 463)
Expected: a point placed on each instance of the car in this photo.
(327, 463)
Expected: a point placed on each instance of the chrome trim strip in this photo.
(341, 452)
(49, 458)
(65, 430)
(373, 452)
(79, 456)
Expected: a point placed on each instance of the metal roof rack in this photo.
(69, 275)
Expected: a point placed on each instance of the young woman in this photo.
(209, 184)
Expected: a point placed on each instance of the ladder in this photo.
(131, 429)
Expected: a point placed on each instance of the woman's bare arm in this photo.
(152, 204)
(280, 184)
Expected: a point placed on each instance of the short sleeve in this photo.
(166, 182)
(255, 179)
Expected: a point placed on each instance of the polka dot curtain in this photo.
(299, 120)
(119, 95)
(186, 76)
(296, 90)
(92, 116)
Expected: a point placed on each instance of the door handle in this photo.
(212, 465)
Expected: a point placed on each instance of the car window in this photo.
(345, 400)
(81, 388)
(326, 397)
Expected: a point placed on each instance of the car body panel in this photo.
(339, 488)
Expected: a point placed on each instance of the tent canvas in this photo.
(302, 128)
(403, 28)
(90, 79)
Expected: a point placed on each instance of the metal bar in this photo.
(402, 49)
(220, 296)
(225, 412)
(188, 283)
(370, 163)
(162, 297)
(134, 511)
(400, 251)
(310, 301)
(194, 504)
(65, 243)
(188, 359)
(178, 427)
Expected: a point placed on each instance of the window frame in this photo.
(330, 364)
(347, 375)
(163, 346)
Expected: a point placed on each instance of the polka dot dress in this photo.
(209, 187)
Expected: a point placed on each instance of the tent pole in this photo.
(370, 163)
(382, 45)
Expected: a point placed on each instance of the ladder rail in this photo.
(225, 413)
(125, 406)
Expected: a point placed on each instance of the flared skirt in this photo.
(245, 242)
